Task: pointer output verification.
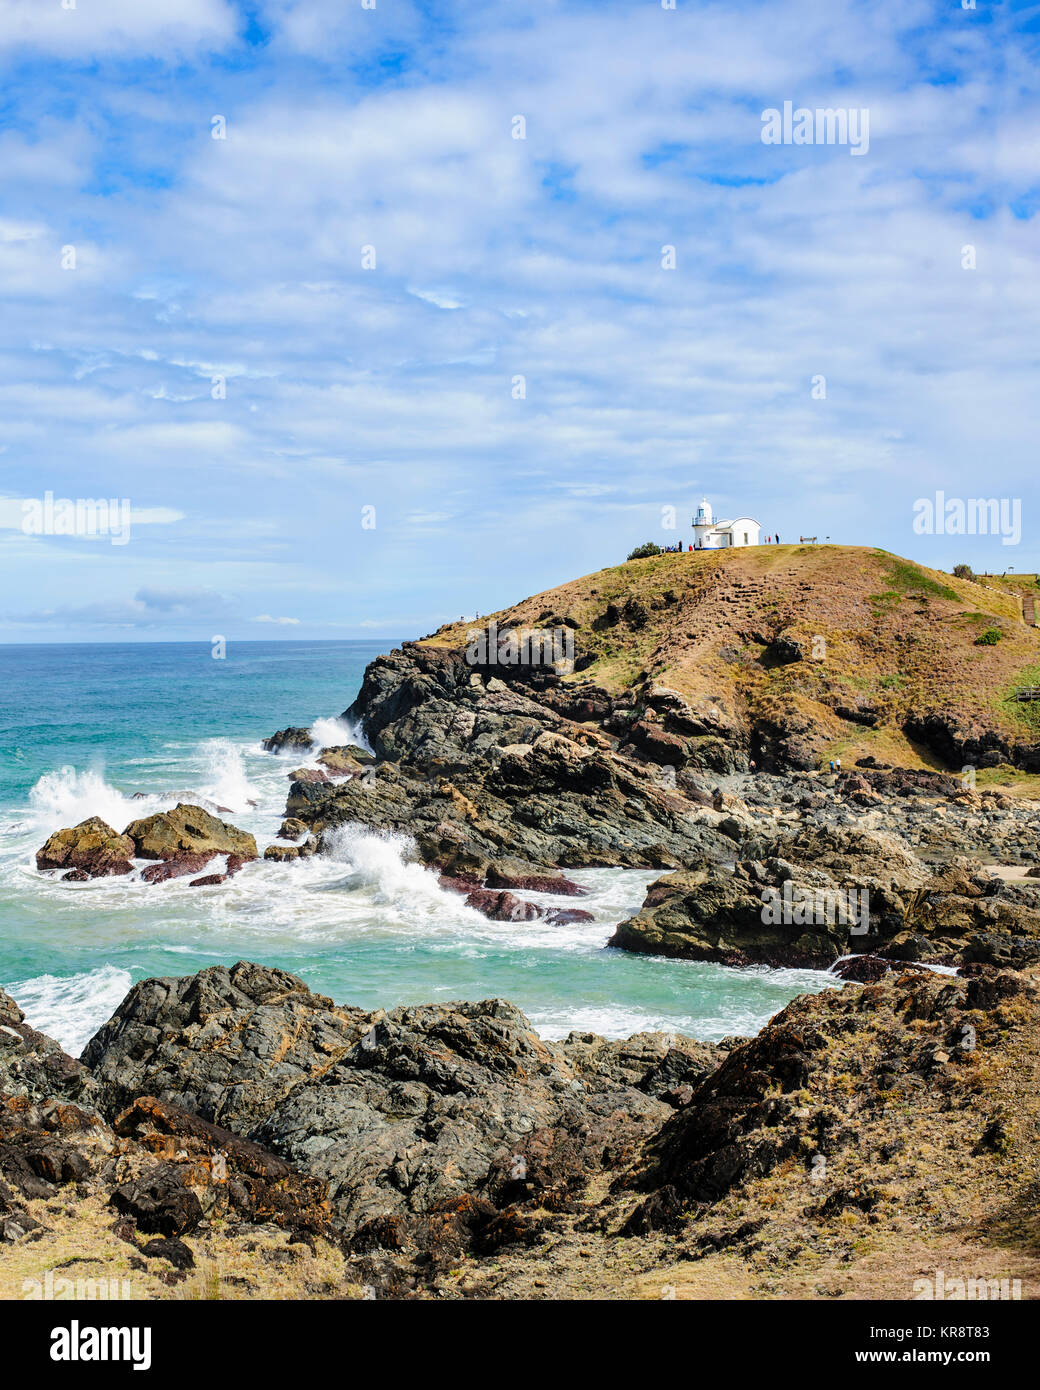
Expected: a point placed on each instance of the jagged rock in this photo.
(188, 830)
(718, 914)
(503, 907)
(340, 762)
(226, 1174)
(34, 1066)
(288, 739)
(772, 1100)
(91, 849)
(165, 869)
(397, 1111)
(160, 1202)
(480, 772)
(10, 1013)
(513, 874)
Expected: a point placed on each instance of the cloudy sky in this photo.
(194, 324)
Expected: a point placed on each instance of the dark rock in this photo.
(502, 906)
(164, 870)
(527, 878)
(175, 1251)
(161, 1202)
(288, 739)
(395, 1111)
(863, 970)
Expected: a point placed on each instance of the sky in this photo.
(380, 314)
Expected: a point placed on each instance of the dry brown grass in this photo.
(897, 635)
(80, 1244)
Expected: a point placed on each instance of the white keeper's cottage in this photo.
(709, 534)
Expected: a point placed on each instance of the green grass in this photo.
(1026, 713)
(906, 578)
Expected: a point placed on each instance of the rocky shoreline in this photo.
(502, 786)
(234, 1121)
(448, 1151)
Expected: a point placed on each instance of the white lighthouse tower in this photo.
(709, 534)
(704, 535)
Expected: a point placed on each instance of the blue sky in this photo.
(392, 387)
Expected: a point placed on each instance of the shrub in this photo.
(963, 572)
(989, 638)
(643, 552)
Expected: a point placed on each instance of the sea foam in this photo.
(71, 1008)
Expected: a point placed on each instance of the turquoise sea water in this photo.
(122, 730)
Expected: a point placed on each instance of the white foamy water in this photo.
(365, 922)
(71, 1008)
(229, 783)
(332, 733)
(67, 796)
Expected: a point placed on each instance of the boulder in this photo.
(91, 849)
(340, 763)
(500, 906)
(723, 915)
(166, 869)
(188, 830)
(282, 854)
(290, 739)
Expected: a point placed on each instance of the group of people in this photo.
(773, 540)
(835, 764)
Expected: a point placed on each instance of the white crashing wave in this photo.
(332, 733)
(71, 1008)
(381, 863)
(67, 796)
(228, 784)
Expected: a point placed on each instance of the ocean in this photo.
(120, 731)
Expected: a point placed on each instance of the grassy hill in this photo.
(853, 639)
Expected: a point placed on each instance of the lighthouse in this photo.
(709, 534)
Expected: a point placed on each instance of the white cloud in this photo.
(105, 26)
(644, 387)
(282, 622)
